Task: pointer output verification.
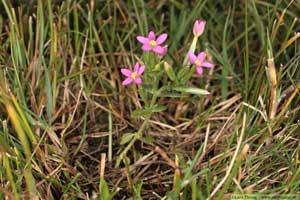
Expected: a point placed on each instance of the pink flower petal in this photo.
(161, 38)
(127, 81)
(141, 70)
(207, 64)
(159, 50)
(142, 39)
(199, 70)
(126, 72)
(138, 80)
(151, 35)
(136, 67)
(146, 47)
(201, 56)
(192, 57)
(165, 51)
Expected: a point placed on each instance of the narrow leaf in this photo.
(191, 90)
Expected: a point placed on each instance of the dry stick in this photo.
(163, 125)
(112, 112)
(287, 103)
(256, 109)
(140, 161)
(273, 93)
(166, 157)
(102, 165)
(288, 43)
(232, 161)
(110, 137)
(227, 103)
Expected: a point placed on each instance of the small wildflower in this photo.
(150, 43)
(199, 61)
(199, 27)
(134, 75)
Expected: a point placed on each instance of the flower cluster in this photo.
(154, 44)
(150, 43)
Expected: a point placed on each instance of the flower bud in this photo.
(169, 70)
(199, 27)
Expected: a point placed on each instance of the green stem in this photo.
(137, 136)
(139, 133)
(192, 49)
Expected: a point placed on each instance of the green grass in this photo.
(70, 130)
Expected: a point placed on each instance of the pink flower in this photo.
(150, 43)
(134, 75)
(199, 61)
(199, 27)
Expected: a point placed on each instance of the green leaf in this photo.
(172, 195)
(191, 90)
(170, 94)
(185, 74)
(147, 139)
(126, 138)
(140, 113)
(137, 190)
(104, 191)
(158, 108)
(147, 111)
(49, 105)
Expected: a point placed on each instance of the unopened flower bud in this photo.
(199, 27)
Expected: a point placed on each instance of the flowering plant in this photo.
(148, 73)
